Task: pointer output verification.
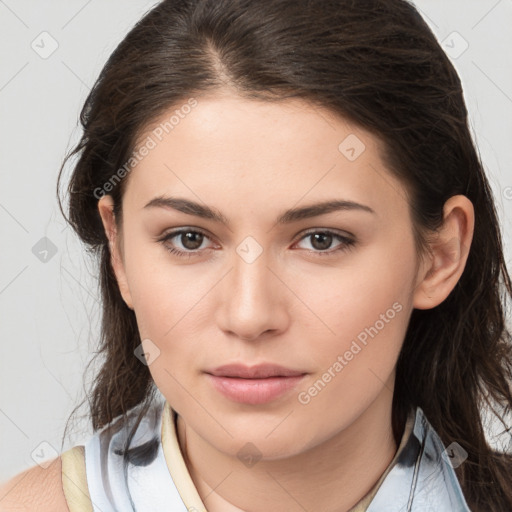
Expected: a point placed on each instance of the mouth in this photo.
(254, 385)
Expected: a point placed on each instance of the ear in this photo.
(449, 249)
(106, 210)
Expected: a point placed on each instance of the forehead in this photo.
(230, 148)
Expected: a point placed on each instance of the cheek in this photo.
(356, 361)
(167, 303)
(167, 297)
(365, 307)
(167, 310)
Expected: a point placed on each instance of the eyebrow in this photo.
(292, 215)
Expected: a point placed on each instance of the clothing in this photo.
(418, 479)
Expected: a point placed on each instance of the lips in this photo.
(260, 371)
(254, 385)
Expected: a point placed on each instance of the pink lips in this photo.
(254, 385)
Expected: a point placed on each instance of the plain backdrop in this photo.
(51, 54)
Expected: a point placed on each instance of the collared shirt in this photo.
(420, 478)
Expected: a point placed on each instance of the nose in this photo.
(252, 299)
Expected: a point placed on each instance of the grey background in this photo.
(49, 301)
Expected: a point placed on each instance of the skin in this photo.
(38, 488)
(252, 160)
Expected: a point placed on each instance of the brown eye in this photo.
(191, 240)
(322, 241)
(185, 242)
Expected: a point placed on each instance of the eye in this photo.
(191, 241)
(321, 241)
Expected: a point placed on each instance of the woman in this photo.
(301, 268)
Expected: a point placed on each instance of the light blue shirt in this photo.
(421, 480)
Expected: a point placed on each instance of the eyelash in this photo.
(347, 243)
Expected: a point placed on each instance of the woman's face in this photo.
(273, 277)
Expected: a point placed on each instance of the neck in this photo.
(333, 476)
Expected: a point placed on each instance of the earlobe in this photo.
(449, 251)
(106, 210)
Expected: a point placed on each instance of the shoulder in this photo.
(62, 486)
(36, 488)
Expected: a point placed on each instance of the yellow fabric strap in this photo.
(74, 480)
(176, 463)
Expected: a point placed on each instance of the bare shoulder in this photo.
(36, 488)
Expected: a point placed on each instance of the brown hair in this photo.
(377, 63)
